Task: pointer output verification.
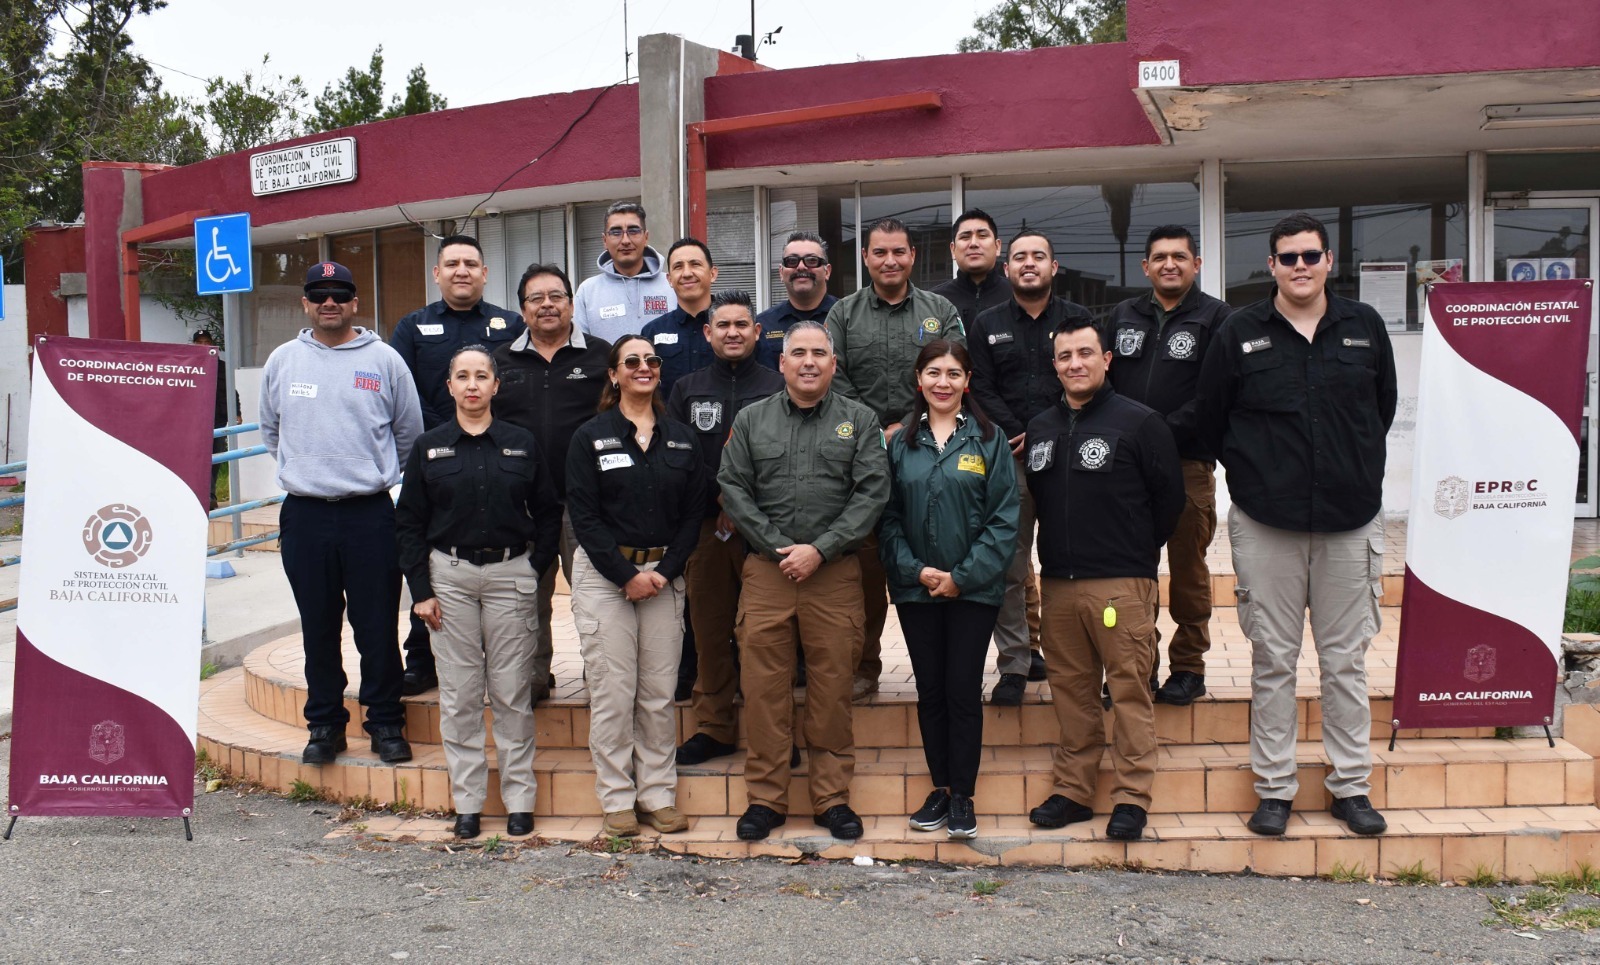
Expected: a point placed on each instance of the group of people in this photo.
(766, 484)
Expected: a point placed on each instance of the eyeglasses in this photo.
(1288, 258)
(554, 298)
(632, 231)
(340, 296)
(634, 361)
(810, 261)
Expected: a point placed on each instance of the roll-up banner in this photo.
(1494, 484)
(113, 579)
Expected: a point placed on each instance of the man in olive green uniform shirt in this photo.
(877, 333)
(804, 477)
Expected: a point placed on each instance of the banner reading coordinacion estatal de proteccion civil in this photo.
(1500, 410)
(113, 579)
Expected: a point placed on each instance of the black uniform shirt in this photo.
(1301, 426)
(475, 492)
(427, 338)
(973, 300)
(775, 322)
(708, 400)
(680, 339)
(552, 399)
(1156, 358)
(1013, 361)
(621, 495)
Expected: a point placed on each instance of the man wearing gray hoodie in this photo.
(631, 288)
(339, 413)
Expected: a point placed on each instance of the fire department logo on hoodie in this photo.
(705, 415)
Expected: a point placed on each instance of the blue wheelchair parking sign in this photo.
(222, 255)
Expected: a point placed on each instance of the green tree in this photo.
(357, 98)
(257, 109)
(418, 98)
(1025, 24)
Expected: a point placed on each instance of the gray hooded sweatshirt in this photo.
(340, 421)
(611, 304)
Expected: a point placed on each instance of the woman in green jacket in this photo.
(947, 537)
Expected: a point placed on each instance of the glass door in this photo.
(1550, 237)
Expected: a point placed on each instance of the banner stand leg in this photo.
(188, 832)
(7, 836)
(1548, 737)
(1394, 732)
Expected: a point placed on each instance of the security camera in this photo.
(492, 212)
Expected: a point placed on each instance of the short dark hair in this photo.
(535, 270)
(467, 240)
(1297, 223)
(1031, 233)
(1166, 231)
(626, 207)
(494, 367)
(734, 296)
(974, 214)
(1073, 323)
(689, 243)
(810, 236)
(888, 226)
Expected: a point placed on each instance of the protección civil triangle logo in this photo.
(117, 535)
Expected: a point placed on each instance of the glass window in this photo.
(272, 313)
(1548, 171)
(1097, 229)
(532, 237)
(1394, 210)
(402, 275)
(924, 205)
(358, 252)
(731, 235)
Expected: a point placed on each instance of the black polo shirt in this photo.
(707, 401)
(680, 339)
(775, 322)
(1301, 426)
(1156, 358)
(1013, 369)
(619, 494)
(475, 492)
(427, 338)
(973, 300)
(552, 399)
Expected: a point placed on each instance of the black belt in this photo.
(639, 555)
(484, 555)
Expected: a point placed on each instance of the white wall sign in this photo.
(303, 166)
(1158, 73)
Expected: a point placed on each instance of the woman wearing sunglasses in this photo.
(947, 537)
(635, 492)
(477, 496)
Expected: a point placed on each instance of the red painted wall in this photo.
(445, 154)
(48, 254)
(1026, 100)
(1250, 41)
(104, 186)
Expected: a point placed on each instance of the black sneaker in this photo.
(325, 744)
(841, 822)
(467, 826)
(1036, 666)
(417, 682)
(1127, 823)
(1181, 689)
(757, 822)
(1359, 814)
(701, 748)
(1271, 817)
(389, 743)
(934, 811)
(1058, 811)
(963, 824)
(1008, 692)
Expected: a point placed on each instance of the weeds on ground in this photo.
(1482, 876)
(985, 887)
(1348, 874)
(1551, 905)
(206, 769)
(1583, 597)
(492, 843)
(303, 792)
(1416, 874)
(208, 670)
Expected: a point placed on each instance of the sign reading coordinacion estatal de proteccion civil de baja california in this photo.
(1493, 484)
(113, 579)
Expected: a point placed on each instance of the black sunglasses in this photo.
(340, 296)
(1288, 258)
(810, 261)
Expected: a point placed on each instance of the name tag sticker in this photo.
(615, 460)
(972, 462)
(302, 390)
(666, 338)
(1358, 343)
(434, 329)
(613, 311)
(673, 444)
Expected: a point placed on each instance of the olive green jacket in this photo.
(789, 476)
(877, 344)
(954, 510)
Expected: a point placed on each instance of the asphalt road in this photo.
(261, 883)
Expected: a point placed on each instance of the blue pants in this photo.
(341, 554)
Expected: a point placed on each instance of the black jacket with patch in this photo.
(706, 401)
(1159, 365)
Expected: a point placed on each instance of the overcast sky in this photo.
(493, 50)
